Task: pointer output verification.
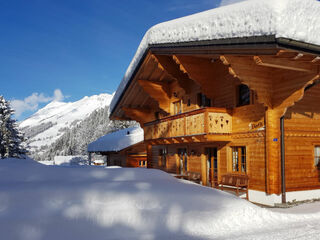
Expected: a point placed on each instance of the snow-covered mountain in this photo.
(49, 123)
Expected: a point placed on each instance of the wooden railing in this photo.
(198, 122)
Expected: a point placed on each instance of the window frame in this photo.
(317, 145)
(163, 154)
(177, 107)
(142, 163)
(240, 155)
(203, 100)
(250, 99)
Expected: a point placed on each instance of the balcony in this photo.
(205, 124)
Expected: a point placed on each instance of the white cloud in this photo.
(228, 2)
(58, 96)
(31, 103)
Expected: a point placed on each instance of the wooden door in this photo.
(212, 166)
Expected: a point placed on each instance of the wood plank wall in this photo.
(255, 158)
(302, 127)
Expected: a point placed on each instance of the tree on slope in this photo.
(10, 138)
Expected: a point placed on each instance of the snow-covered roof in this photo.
(117, 141)
(292, 19)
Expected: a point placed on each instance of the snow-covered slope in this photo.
(49, 123)
(41, 202)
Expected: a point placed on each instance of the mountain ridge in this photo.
(49, 123)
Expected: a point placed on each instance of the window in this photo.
(177, 108)
(183, 159)
(142, 163)
(163, 158)
(203, 101)
(239, 159)
(212, 166)
(189, 102)
(243, 95)
(317, 156)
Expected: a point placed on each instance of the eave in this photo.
(257, 45)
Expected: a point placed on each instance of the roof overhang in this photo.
(257, 45)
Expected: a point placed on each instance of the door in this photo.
(183, 161)
(212, 166)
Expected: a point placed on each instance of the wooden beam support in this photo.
(188, 139)
(286, 54)
(197, 138)
(203, 167)
(274, 62)
(273, 148)
(206, 72)
(257, 78)
(219, 138)
(275, 87)
(158, 91)
(140, 115)
(316, 60)
(287, 97)
(149, 155)
(168, 64)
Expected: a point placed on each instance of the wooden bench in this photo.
(235, 182)
(190, 176)
(194, 177)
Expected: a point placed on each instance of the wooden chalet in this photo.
(124, 148)
(247, 106)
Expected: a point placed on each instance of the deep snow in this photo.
(54, 202)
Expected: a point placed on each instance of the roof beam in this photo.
(256, 77)
(140, 115)
(168, 64)
(158, 91)
(274, 62)
(207, 72)
(316, 60)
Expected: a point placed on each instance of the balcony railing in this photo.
(198, 122)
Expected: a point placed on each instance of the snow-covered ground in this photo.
(85, 202)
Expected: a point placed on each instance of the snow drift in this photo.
(54, 202)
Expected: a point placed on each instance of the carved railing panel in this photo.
(219, 123)
(195, 124)
(198, 122)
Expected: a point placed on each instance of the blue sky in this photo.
(68, 49)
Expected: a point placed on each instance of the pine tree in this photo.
(75, 140)
(11, 140)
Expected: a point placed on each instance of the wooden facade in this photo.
(218, 111)
(133, 156)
